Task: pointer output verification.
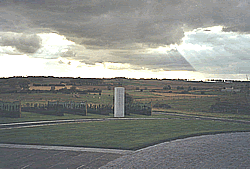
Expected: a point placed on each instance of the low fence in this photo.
(57, 108)
(99, 109)
(13, 109)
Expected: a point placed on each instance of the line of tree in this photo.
(39, 84)
(168, 87)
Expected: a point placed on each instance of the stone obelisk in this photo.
(119, 102)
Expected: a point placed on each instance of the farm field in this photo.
(194, 98)
(170, 99)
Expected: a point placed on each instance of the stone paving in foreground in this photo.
(231, 150)
(20, 158)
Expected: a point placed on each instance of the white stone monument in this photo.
(119, 102)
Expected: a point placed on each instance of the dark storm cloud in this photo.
(152, 22)
(120, 24)
(12, 20)
(25, 43)
(107, 22)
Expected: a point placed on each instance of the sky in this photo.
(187, 39)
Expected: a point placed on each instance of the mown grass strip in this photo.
(27, 117)
(207, 114)
(123, 134)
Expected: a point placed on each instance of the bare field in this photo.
(48, 87)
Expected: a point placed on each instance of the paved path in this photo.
(213, 151)
(16, 158)
(66, 148)
(231, 150)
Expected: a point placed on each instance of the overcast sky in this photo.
(192, 39)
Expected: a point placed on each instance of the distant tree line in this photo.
(39, 84)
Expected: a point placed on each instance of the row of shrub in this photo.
(39, 84)
(93, 109)
(138, 109)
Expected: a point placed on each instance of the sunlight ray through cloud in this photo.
(154, 36)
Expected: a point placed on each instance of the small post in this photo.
(151, 107)
(86, 105)
(20, 108)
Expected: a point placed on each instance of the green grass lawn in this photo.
(44, 97)
(27, 116)
(198, 104)
(200, 107)
(124, 134)
(208, 114)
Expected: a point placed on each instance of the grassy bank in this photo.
(117, 134)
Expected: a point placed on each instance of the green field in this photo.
(128, 134)
(190, 106)
(125, 134)
(44, 97)
(27, 117)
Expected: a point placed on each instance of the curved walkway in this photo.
(231, 150)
